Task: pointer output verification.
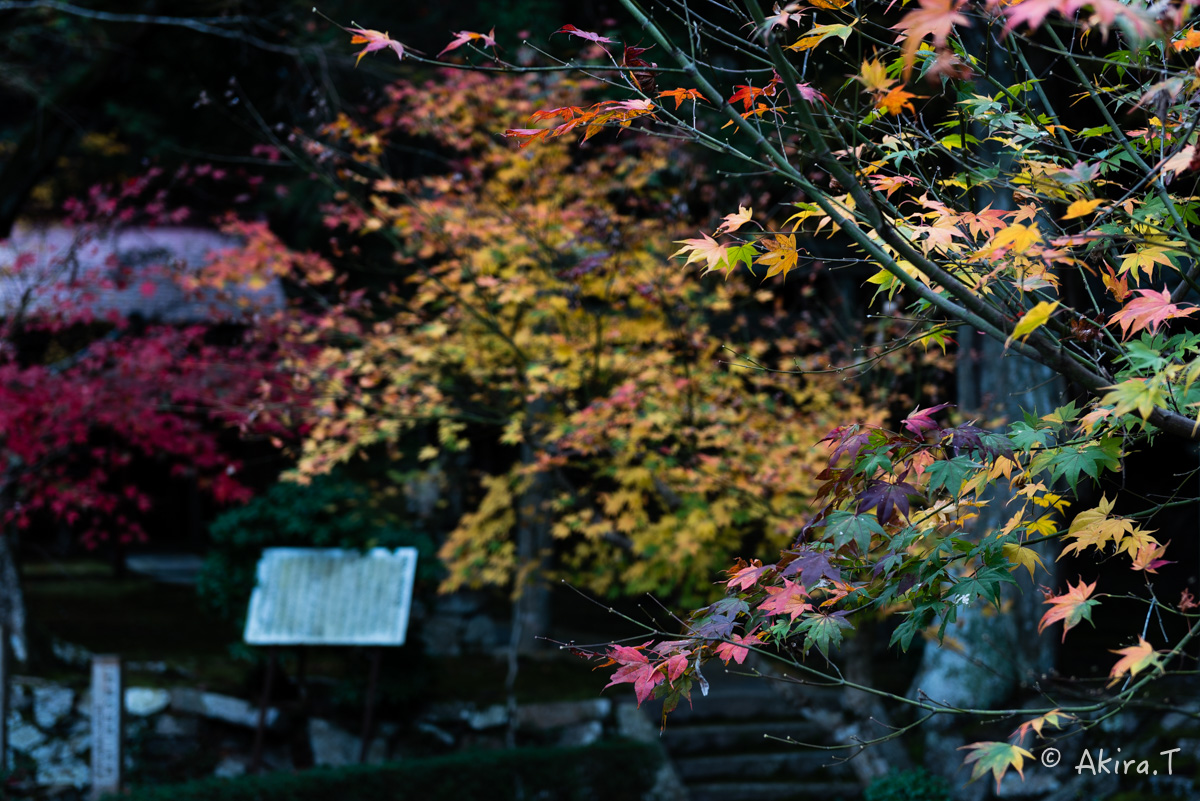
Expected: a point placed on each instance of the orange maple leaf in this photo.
(1054, 717)
(1151, 310)
(1071, 607)
(681, 95)
(1119, 287)
(895, 100)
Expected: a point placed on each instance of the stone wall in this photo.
(184, 732)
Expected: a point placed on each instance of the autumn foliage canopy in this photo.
(1025, 170)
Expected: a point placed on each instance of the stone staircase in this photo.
(732, 745)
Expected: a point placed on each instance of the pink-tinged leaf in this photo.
(1105, 13)
(748, 576)
(708, 250)
(1150, 311)
(591, 37)
(921, 420)
(374, 40)
(790, 599)
(625, 654)
(733, 222)
(1149, 557)
(810, 95)
(935, 18)
(1134, 660)
(736, 649)
(462, 37)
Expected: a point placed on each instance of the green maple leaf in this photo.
(823, 631)
(950, 473)
(995, 757)
(1070, 461)
(843, 527)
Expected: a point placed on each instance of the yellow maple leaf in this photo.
(1021, 556)
(1017, 237)
(1081, 208)
(873, 76)
(1139, 394)
(781, 257)
(1031, 320)
(820, 33)
(1144, 258)
(1095, 528)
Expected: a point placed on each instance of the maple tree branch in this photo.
(205, 25)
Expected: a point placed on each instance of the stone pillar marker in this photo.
(107, 707)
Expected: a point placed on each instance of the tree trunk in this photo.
(531, 609)
(12, 600)
(996, 651)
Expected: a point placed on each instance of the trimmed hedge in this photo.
(619, 771)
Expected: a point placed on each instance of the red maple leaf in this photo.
(736, 648)
(746, 94)
(790, 599)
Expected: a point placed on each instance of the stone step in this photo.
(736, 704)
(793, 764)
(775, 791)
(683, 739)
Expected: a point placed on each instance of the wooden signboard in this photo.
(331, 596)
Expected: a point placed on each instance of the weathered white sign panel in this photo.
(331, 596)
(107, 699)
